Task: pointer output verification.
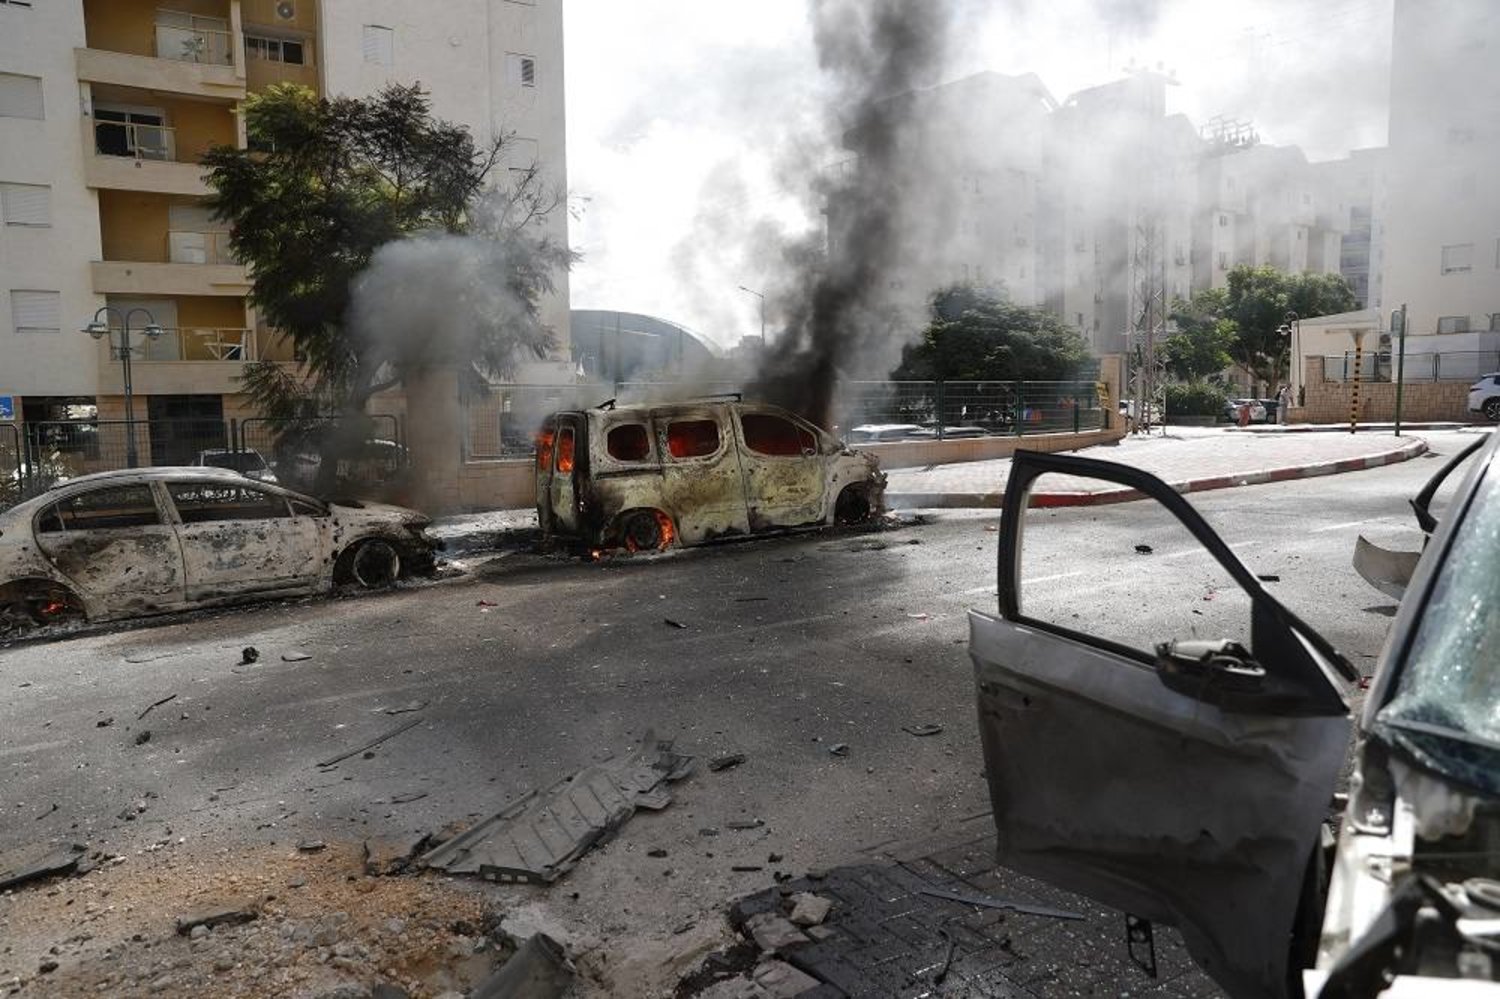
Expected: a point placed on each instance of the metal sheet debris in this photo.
(990, 902)
(155, 704)
(541, 837)
(921, 730)
(372, 743)
(538, 970)
(28, 863)
(725, 762)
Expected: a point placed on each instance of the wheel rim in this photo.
(852, 508)
(647, 532)
(375, 565)
(1492, 409)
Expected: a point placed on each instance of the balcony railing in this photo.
(190, 38)
(199, 343)
(142, 142)
(189, 246)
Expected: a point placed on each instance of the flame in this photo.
(565, 450)
(596, 554)
(668, 532)
(544, 449)
(52, 607)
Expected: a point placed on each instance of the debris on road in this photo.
(386, 856)
(485, 603)
(105, 722)
(1268, 577)
(746, 824)
(311, 845)
(142, 737)
(542, 836)
(402, 709)
(658, 853)
(249, 655)
(372, 743)
(809, 909)
(773, 932)
(28, 863)
(230, 914)
(990, 902)
(921, 730)
(726, 762)
(673, 624)
(921, 616)
(155, 704)
(1144, 549)
(746, 868)
(47, 812)
(295, 656)
(839, 749)
(539, 969)
(407, 796)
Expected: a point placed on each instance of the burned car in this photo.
(646, 477)
(143, 541)
(1190, 784)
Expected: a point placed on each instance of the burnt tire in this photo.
(369, 565)
(642, 531)
(1492, 409)
(27, 608)
(853, 506)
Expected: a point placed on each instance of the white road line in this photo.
(1350, 523)
(35, 747)
(1050, 579)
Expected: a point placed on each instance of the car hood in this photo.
(378, 513)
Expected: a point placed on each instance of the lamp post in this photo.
(99, 330)
(762, 298)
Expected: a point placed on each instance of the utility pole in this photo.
(1400, 365)
(762, 298)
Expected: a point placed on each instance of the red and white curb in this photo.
(995, 499)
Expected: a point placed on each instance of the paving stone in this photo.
(809, 910)
(780, 980)
(774, 933)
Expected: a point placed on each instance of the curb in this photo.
(995, 499)
(1343, 428)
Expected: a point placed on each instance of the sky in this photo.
(694, 126)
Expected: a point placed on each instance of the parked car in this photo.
(878, 433)
(1484, 397)
(1232, 410)
(248, 462)
(646, 477)
(362, 465)
(1191, 786)
(145, 541)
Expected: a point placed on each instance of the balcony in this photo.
(163, 75)
(132, 43)
(133, 156)
(200, 344)
(183, 361)
(137, 278)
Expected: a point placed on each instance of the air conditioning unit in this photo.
(1385, 341)
(286, 10)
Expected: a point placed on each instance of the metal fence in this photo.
(36, 455)
(502, 424)
(1451, 366)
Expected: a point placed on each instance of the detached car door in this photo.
(1179, 777)
(785, 477)
(239, 538)
(116, 548)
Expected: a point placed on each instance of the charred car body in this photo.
(1192, 787)
(143, 541)
(648, 476)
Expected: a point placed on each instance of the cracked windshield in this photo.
(560, 499)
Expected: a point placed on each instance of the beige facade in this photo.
(106, 108)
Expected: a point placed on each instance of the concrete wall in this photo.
(1328, 402)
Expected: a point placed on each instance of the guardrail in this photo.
(136, 140)
(197, 343)
(199, 246)
(187, 37)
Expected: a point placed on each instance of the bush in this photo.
(1195, 399)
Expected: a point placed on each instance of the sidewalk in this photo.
(1343, 428)
(1189, 460)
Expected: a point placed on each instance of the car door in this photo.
(115, 547)
(1184, 784)
(568, 454)
(240, 538)
(785, 480)
(702, 481)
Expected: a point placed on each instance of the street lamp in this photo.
(99, 330)
(762, 298)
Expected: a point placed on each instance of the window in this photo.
(692, 438)
(1494, 321)
(380, 45)
(629, 443)
(113, 507)
(1223, 261)
(36, 311)
(207, 502)
(138, 132)
(565, 450)
(1453, 324)
(26, 204)
(544, 439)
(520, 70)
(774, 435)
(1458, 257)
(1223, 220)
(20, 96)
(285, 50)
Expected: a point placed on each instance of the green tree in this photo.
(1257, 300)
(978, 334)
(1201, 347)
(323, 187)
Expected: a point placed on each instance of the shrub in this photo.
(1195, 399)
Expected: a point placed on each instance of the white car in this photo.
(147, 541)
(1484, 397)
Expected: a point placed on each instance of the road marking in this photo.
(1349, 523)
(1233, 545)
(1050, 579)
(34, 747)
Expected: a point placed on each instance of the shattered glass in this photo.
(1446, 712)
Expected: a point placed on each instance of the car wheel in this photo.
(1492, 408)
(27, 609)
(370, 565)
(853, 506)
(646, 531)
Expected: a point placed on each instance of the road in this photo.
(530, 667)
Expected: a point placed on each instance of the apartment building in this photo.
(106, 107)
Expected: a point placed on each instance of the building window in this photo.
(520, 70)
(20, 96)
(285, 50)
(1458, 257)
(1453, 324)
(36, 311)
(1223, 261)
(1494, 322)
(26, 204)
(1223, 220)
(380, 45)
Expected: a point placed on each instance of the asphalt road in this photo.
(530, 667)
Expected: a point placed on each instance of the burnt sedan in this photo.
(145, 541)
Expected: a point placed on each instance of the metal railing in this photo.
(502, 424)
(1449, 366)
(199, 343)
(132, 139)
(195, 246)
(187, 37)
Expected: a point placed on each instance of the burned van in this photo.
(648, 477)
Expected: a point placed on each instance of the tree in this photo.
(1257, 301)
(325, 185)
(1201, 347)
(980, 335)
